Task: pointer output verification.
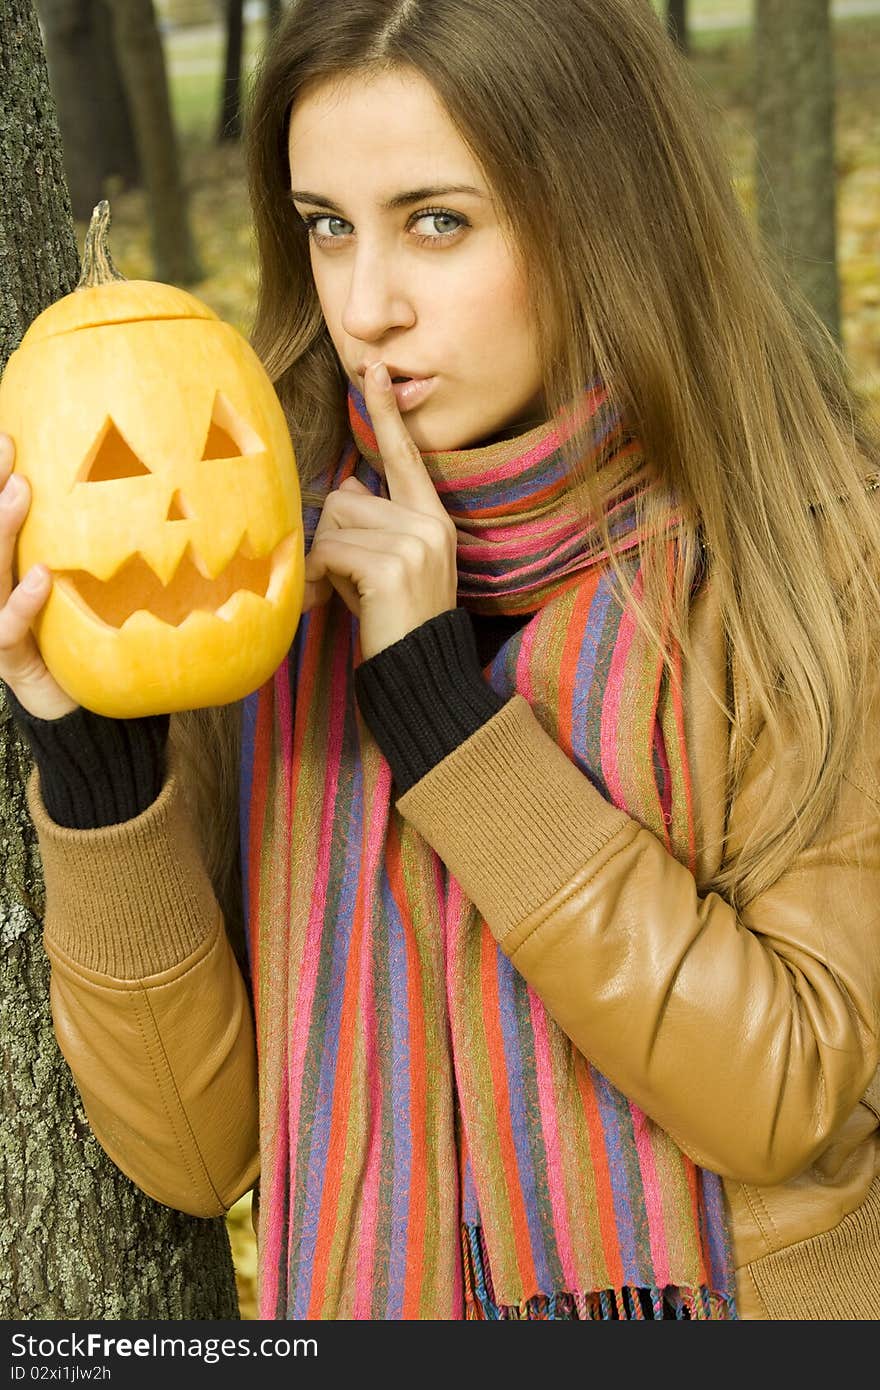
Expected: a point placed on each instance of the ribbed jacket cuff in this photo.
(512, 818)
(94, 771)
(132, 900)
(424, 695)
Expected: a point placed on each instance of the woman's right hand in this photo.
(21, 666)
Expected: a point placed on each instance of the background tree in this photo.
(229, 126)
(77, 1239)
(794, 127)
(676, 22)
(142, 64)
(92, 108)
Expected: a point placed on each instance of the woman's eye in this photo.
(316, 218)
(438, 219)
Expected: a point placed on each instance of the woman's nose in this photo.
(377, 300)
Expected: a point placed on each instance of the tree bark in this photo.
(229, 126)
(676, 22)
(142, 64)
(38, 258)
(794, 125)
(93, 114)
(77, 1239)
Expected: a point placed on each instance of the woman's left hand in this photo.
(391, 559)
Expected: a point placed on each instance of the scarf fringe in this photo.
(628, 1303)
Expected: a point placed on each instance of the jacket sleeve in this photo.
(149, 1007)
(749, 1039)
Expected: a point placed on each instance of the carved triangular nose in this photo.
(179, 508)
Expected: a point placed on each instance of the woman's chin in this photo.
(437, 432)
(439, 437)
(434, 439)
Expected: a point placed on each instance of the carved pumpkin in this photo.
(165, 499)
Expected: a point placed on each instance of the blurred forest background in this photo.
(793, 85)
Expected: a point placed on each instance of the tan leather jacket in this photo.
(752, 1041)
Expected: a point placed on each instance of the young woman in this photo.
(560, 821)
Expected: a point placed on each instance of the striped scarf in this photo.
(433, 1145)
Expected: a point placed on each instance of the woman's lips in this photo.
(411, 393)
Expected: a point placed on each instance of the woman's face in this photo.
(411, 260)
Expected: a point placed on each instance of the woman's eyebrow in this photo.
(400, 200)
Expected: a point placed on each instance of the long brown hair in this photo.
(643, 271)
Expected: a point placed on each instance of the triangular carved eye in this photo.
(229, 435)
(111, 457)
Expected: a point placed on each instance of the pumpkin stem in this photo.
(97, 267)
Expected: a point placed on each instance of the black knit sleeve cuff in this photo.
(424, 695)
(94, 771)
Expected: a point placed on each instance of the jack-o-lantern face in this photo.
(164, 500)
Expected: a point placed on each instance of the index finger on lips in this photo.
(409, 481)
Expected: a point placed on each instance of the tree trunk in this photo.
(142, 64)
(92, 109)
(38, 259)
(794, 124)
(77, 1239)
(229, 127)
(123, 158)
(676, 22)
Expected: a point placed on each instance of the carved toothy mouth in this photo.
(136, 587)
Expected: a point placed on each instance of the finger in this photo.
(327, 519)
(367, 566)
(412, 549)
(408, 479)
(19, 657)
(316, 594)
(320, 589)
(353, 484)
(322, 582)
(348, 508)
(7, 456)
(347, 592)
(14, 503)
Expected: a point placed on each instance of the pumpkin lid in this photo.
(117, 301)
